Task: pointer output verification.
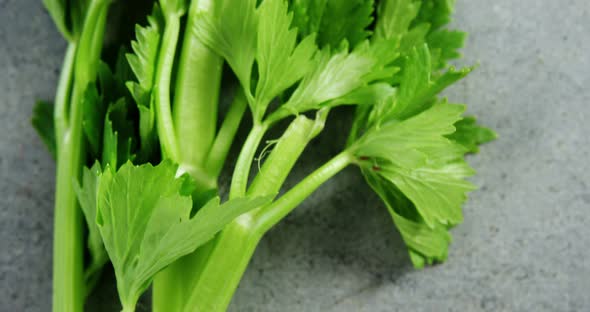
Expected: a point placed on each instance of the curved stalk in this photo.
(197, 93)
(68, 275)
(173, 286)
(165, 125)
(285, 154)
(194, 117)
(271, 215)
(225, 137)
(64, 92)
(239, 180)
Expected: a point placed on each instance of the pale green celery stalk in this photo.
(164, 68)
(225, 137)
(285, 153)
(237, 242)
(172, 286)
(194, 116)
(196, 98)
(165, 294)
(64, 92)
(224, 266)
(68, 247)
(231, 251)
(272, 214)
(239, 181)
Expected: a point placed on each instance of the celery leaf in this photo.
(231, 32)
(281, 61)
(426, 245)
(333, 21)
(426, 167)
(471, 135)
(143, 62)
(44, 124)
(143, 213)
(86, 194)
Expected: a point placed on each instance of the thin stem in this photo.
(226, 135)
(162, 87)
(64, 92)
(90, 47)
(239, 181)
(196, 97)
(68, 277)
(274, 213)
(278, 115)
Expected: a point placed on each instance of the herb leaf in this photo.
(413, 159)
(86, 193)
(143, 213)
(471, 135)
(418, 87)
(44, 123)
(231, 33)
(394, 18)
(426, 245)
(281, 63)
(143, 62)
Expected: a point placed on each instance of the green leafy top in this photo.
(333, 21)
(395, 17)
(143, 63)
(411, 144)
(437, 13)
(419, 173)
(281, 61)
(145, 56)
(244, 34)
(427, 167)
(469, 134)
(143, 214)
(410, 151)
(418, 22)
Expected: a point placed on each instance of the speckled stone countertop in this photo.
(524, 243)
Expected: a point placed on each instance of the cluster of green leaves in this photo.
(313, 77)
(143, 63)
(411, 143)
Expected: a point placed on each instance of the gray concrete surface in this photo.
(524, 243)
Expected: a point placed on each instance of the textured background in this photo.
(524, 243)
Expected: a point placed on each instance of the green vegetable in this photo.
(139, 149)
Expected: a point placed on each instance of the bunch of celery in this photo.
(139, 150)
